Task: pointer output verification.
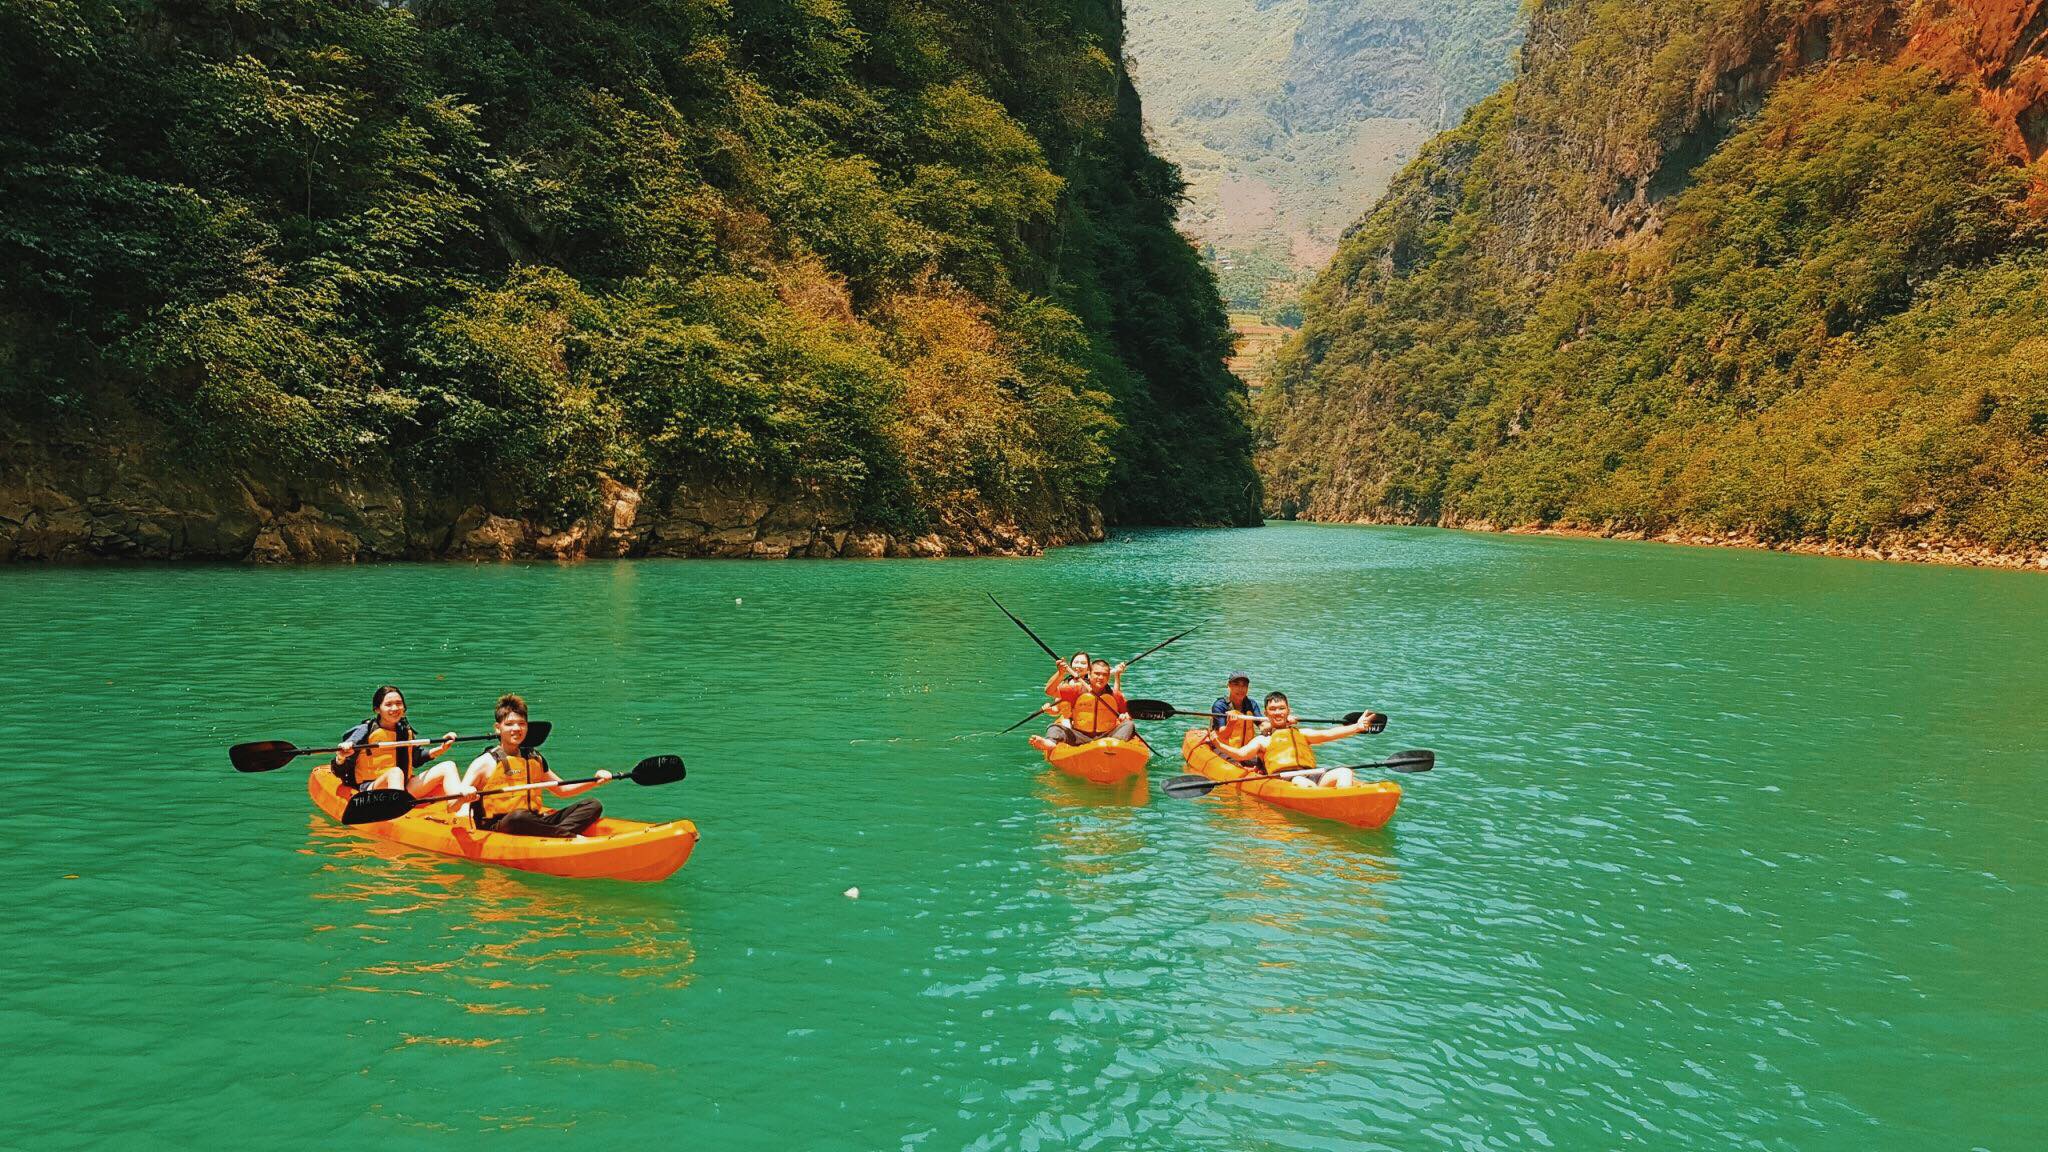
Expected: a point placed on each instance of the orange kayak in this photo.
(610, 849)
(1361, 805)
(1104, 761)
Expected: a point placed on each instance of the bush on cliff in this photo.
(1833, 335)
(517, 246)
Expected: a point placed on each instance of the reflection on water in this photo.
(1064, 791)
(492, 939)
(1094, 840)
(1192, 958)
(1277, 843)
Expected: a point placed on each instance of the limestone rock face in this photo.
(1630, 166)
(310, 536)
(865, 545)
(497, 538)
(78, 502)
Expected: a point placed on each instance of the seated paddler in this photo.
(384, 752)
(1234, 718)
(1288, 747)
(511, 764)
(1090, 710)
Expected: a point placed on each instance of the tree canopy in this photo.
(911, 255)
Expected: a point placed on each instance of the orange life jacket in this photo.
(1066, 705)
(1238, 733)
(370, 761)
(1288, 748)
(1094, 715)
(508, 771)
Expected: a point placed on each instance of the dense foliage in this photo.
(1835, 332)
(1261, 283)
(912, 256)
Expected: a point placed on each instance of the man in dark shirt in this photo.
(1234, 718)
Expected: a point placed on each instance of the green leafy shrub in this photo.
(913, 257)
(1831, 335)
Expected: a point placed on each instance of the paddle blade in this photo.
(1379, 725)
(1413, 760)
(657, 770)
(536, 733)
(262, 755)
(1152, 710)
(376, 805)
(1190, 786)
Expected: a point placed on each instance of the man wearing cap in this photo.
(1234, 718)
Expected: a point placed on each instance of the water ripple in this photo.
(1723, 850)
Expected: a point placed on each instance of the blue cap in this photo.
(1244, 676)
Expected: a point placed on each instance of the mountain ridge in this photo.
(1705, 270)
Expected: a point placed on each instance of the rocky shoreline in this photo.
(1905, 550)
(95, 505)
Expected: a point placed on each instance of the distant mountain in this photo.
(1289, 117)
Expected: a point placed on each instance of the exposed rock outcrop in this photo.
(77, 503)
(1606, 178)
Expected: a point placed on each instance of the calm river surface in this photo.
(1724, 849)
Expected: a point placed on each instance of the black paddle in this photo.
(1189, 786)
(380, 804)
(264, 755)
(1019, 623)
(1035, 713)
(1040, 711)
(1161, 710)
(1035, 640)
(1157, 647)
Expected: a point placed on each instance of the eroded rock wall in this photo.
(80, 502)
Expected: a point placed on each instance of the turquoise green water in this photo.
(1725, 849)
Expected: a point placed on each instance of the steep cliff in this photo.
(746, 277)
(1705, 269)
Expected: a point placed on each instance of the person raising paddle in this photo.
(1090, 711)
(512, 764)
(1288, 746)
(363, 762)
(1064, 672)
(1069, 677)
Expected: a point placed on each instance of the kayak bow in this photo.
(1104, 761)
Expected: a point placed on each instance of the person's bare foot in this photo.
(1042, 744)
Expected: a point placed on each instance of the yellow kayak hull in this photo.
(609, 850)
(1104, 761)
(1360, 805)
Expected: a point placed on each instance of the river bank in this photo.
(1960, 554)
(114, 504)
